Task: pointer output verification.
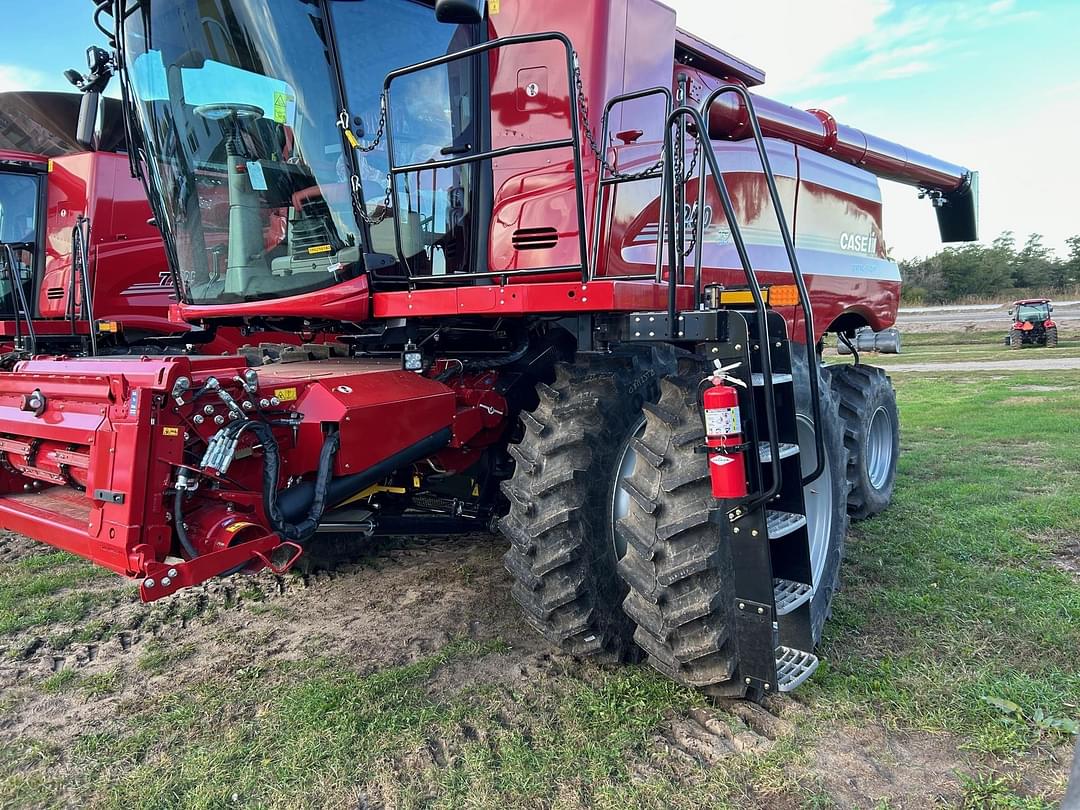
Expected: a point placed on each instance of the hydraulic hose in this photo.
(181, 532)
(298, 532)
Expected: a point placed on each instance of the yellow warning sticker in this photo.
(233, 528)
(319, 249)
(493, 6)
(285, 394)
(281, 107)
(170, 431)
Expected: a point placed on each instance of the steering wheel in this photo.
(219, 112)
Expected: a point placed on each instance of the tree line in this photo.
(997, 270)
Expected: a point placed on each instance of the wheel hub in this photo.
(879, 448)
(818, 496)
(625, 464)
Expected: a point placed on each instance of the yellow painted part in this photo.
(735, 297)
(372, 490)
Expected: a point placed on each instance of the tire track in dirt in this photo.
(403, 601)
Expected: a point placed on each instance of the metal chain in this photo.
(380, 131)
(384, 214)
(590, 135)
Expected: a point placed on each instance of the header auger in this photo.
(507, 308)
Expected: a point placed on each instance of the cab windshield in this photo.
(1032, 312)
(239, 110)
(19, 212)
(237, 106)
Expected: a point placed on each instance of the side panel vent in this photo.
(535, 238)
(53, 293)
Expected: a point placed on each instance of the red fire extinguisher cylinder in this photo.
(723, 437)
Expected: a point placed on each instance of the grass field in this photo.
(949, 676)
(962, 347)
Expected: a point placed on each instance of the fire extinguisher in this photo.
(723, 434)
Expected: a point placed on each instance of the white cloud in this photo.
(815, 51)
(14, 77)
(792, 40)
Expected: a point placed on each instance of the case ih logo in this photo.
(859, 242)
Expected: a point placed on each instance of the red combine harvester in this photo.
(570, 285)
(81, 265)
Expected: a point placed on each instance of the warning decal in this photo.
(722, 421)
(285, 394)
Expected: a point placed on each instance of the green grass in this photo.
(950, 598)
(944, 347)
(46, 589)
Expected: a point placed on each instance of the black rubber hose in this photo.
(294, 501)
(272, 463)
(178, 521)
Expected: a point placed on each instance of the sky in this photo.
(993, 85)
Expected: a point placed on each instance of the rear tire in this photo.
(1016, 339)
(871, 435)
(561, 552)
(1051, 338)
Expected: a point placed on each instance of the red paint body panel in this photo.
(130, 274)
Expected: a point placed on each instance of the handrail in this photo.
(793, 260)
(80, 264)
(572, 142)
(601, 181)
(18, 300)
(677, 117)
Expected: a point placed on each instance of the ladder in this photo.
(768, 531)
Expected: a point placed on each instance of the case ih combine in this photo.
(75, 240)
(566, 284)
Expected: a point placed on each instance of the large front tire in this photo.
(681, 577)
(562, 555)
(871, 435)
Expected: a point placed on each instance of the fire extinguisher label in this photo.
(722, 421)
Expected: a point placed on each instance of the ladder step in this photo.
(786, 451)
(781, 524)
(777, 379)
(793, 667)
(789, 595)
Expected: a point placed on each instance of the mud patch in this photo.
(869, 766)
(1022, 401)
(404, 601)
(1067, 558)
(1040, 388)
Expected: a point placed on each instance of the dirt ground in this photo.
(403, 602)
(1041, 363)
(978, 318)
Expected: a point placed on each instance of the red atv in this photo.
(1032, 324)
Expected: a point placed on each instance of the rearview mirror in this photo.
(86, 132)
(459, 12)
